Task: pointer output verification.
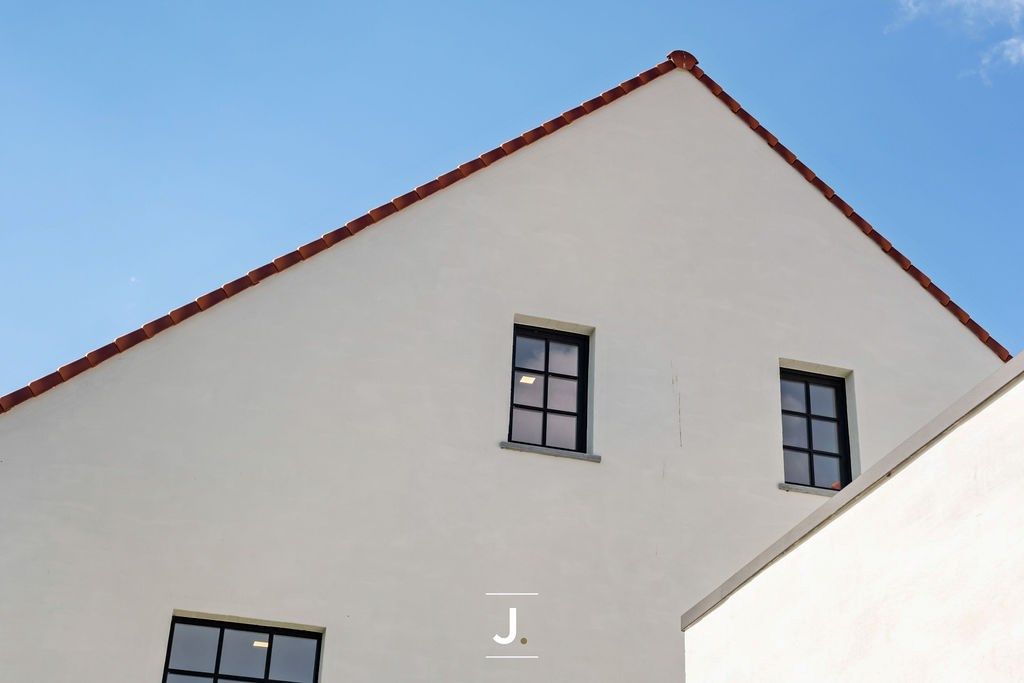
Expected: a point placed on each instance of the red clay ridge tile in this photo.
(785, 153)
(748, 119)
(234, 287)
(711, 85)
(682, 59)
(534, 134)
(859, 221)
(977, 329)
(998, 348)
(554, 124)
(513, 144)
(290, 259)
(631, 84)
(262, 273)
(913, 271)
(802, 169)
(729, 101)
(186, 311)
(594, 103)
(75, 367)
(613, 94)
(896, 255)
(313, 248)
(154, 327)
(665, 67)
(492, 156)
(960, 313)
(101, 354)
(841, 205)
(366, 220)
(573, 114)
(211, 298)
(404, 200)
(649, 75)
(44, 383)
(470, 167)
(697, 71)
(449, 178)
(15, 397)
(938, 294)
(379, 213)
(885, 244)
(768, 137)
(822, 186)
(126, 341)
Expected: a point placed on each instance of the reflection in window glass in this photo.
(562, 394)
(527, 426)
(563, 359)
(194, 647)
(528, 389)
(794, 431)
(561, 431)
(793, 397)
(826, 472)
(798, 467)
(244, 653)
(529, 353)
(823, 400)
(293, 659)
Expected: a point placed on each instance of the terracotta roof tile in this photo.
(677, 59)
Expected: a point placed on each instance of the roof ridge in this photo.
(676, 59)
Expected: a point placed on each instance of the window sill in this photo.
(544, 450)
(798, 488)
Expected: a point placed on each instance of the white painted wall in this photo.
(918, 581)
(322, 448)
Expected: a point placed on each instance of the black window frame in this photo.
(582, 343)
(841, 420)
(223, 625)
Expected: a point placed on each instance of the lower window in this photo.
(815, 439)
(204, 651)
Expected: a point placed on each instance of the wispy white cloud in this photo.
(981, 19)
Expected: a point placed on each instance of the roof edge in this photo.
(677, 59)
(879, 473)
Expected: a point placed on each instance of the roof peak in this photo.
(677, 59)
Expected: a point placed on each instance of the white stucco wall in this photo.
(919, 581)
(322, 448)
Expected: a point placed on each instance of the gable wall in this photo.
(322, 448)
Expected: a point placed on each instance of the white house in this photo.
(912, 573)
(601, 365)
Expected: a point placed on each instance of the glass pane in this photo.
(178, 678)
(562, 394)
(244, 653)
(826, 472)
(561, 431)
(529, 353)
(797, 467)
(825, 436)
(565, 358)
(823, 400)
(794, 431)
(293, 659)
(793, 396)
(194, 648)
(528, 389)
(526, 425)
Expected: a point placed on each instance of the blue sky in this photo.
(153, 151)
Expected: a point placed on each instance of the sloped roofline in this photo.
(677, 59)
(877, 475)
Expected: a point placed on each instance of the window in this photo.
(549, 389)
(815, 440)
(203, 651)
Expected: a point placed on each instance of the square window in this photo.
(239, 652)
(815, 437)
(549, 388)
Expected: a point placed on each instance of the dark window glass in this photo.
(814, 430)
(549, 388)
(239, 652)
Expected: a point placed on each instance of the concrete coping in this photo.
(875, 476)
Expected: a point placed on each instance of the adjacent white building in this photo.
(580, 366)
(912, 573)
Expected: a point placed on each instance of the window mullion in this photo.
(270, 651)
(544, 397)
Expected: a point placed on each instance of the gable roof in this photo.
(677, 59)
